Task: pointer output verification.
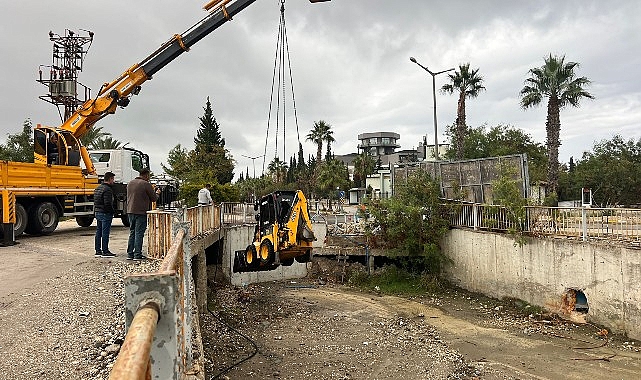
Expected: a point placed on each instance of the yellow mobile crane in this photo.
(35, 195)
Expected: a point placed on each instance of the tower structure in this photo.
(61, 77)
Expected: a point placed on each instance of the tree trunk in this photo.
(460, 126)
(319, 151)
(553, 131)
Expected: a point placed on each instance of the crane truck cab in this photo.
(283, 233)
(125, 163)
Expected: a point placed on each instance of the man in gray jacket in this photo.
(140, 195)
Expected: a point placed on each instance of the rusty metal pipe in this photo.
(169, 262)
(133, 359)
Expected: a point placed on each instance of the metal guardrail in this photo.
(158, 317)
(581, 222)
(201, 219)
(237, 213)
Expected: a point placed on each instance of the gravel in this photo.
(71, 326)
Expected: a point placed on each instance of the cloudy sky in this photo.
(350, 67)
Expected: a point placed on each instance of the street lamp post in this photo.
(253, 161)
(433, 74)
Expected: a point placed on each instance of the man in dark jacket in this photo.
(140, 195)
(103, 206)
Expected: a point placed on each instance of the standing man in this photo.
(103, 206)
(140, 195)
(204, 196)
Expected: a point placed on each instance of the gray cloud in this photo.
(350, 67)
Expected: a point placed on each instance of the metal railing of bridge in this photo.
(581, 222)
(201, 220)
(159, 305)
(158, 312)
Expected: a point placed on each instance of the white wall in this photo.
(542, 270)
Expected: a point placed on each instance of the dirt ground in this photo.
(317, 330)
(60, 317)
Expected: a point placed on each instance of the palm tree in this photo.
(557, 81)
(469, 84)
(364, 165)
(91, 137)
(332, 174)
(278, 170)
(329, 139)
(318, 135)
(106, 142)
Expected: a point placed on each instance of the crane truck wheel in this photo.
(266, 252)
(84, 221)
(21, 220)
(287, 262)
(43, 219)
(251, 257)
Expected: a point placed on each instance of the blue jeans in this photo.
(137, 227)
(103, 228)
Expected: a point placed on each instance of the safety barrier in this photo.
(201, 219)
(581, 222)
(237, 213)
(158, 317)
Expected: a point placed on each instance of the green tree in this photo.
(612, 169)
(364, 165)
(106, 142)
(329, 139)
(413, 222)
(208, 134)
(318, 135)
(468, 83)
(277, 169)
(332, 174)
(92, 136)
(503, 140)
(19, 146)
(210, 165)
(556, 80)
(506, 191)
(177, 163)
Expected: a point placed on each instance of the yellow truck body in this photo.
(36, 195)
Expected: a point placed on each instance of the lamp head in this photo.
(413, 59)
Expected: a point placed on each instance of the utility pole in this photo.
(433, 74)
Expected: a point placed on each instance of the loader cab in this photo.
(274, 208)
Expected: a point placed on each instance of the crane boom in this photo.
(117, 92)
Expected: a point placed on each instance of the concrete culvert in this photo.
(575, 300)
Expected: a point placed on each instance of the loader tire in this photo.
(251, 257)
(266, 253)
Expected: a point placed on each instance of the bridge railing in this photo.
(580, 222)
(158, 317)
(235, 213)
(201, 219)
